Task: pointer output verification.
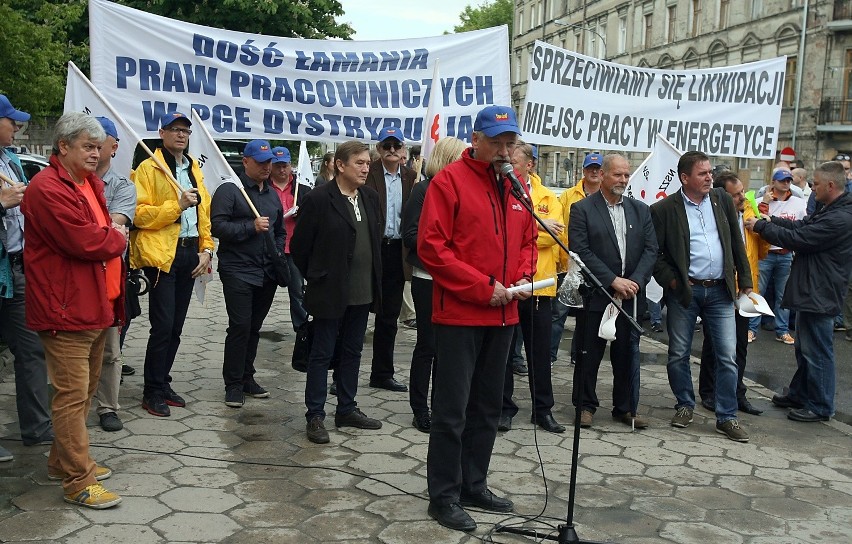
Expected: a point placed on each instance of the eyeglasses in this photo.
(842, 158)
(387, 146)
(178, 130)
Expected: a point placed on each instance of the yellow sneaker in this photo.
(95, 496)
(101, 473)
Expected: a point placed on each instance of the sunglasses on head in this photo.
(387, 146)
(842, 158)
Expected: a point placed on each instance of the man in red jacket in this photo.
(69, 229)
(475, 239)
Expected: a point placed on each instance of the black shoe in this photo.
(504, 424)
(252, 389)
(548, 423)
(357, 419)
(657, 327)
(156, 405)
(315, 429)
(784, 401)
(390, 384)
(110, 422)
(747, 407)
(806, 416)
(234, 396)
(486, 501)
(127, 370)
(709, 404)
(452, 516)
(520, 369)
(422, 422)
(299, 366)
(44, 440)
(839, 327)
(332, 389)
(172, 398)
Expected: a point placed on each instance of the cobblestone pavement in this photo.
(210, 473)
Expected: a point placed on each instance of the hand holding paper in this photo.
(530, 287)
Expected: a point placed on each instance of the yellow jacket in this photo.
(154, 241)
(756, 247)
(546, 205)
(566, 199)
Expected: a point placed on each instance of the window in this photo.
(532, 16)
(520, 25)
(518, 66)
(724, 6)
(602, 38)
(622, 34)
(790, 83)
(718, 54)
(696, 17)
(649, 28)
(577, 43)
(756, 8)
(671, 22)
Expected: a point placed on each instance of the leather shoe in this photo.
(709, 404)
(586, 418)
(747, 407)
(486, 500)
(422, 422)
(504, 424)
(452, 516)
(390, 384)
(806, 416)
(784, 401)
(548, 423)
(637, 421)
(520, 369)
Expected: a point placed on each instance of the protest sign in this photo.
(656, 178)
(579, 101)
(256, 86)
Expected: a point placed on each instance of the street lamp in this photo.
(587, 29)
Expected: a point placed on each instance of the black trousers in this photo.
(707, 373)
(536, 324)
(621, 354)
(423, 357)
(468, 384)
(168, 302)
(384, 337)
(247, 306)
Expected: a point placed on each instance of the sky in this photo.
(383, 19)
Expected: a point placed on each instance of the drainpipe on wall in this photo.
(800, 68)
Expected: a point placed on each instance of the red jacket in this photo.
(469, 236)
(64, 254)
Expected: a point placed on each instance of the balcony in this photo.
(835, 115)
(842, 19)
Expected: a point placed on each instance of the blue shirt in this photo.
(14, 219)
(706, 260)
(189, 217)
(393, 190)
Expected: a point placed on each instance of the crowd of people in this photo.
(464, 237)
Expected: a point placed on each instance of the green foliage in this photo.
(487, 15)
(41, 36)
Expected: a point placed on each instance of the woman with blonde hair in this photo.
(447, 150)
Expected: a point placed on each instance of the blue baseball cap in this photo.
(6, 110)
(280, 154)
(109, 127)
(494, 120)
(390, 132)
(593, 158)
(258, 150)
(781, 174)
(534, 151)
(171, 117)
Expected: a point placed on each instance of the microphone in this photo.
(508, 171)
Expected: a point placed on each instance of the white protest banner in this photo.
(581, 101)
(434, 121)
(304, 173)
(213, 164)
(656, 178)
(81, 95)
(257, 86)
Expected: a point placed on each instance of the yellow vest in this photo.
(546, 205)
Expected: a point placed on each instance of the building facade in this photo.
(816, 118)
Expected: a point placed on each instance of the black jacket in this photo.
(241, 249)
(411, 220)
(823, 244)
(323, 243)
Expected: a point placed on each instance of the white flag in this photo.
(81, 95)
(435, 119)
(215, 168)
(656, 177)
(304, 172)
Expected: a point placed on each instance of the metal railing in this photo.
(834, 111)
(842, 9)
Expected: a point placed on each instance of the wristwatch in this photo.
(209, 252)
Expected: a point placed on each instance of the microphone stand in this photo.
(567, 533)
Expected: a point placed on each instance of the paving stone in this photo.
(271, 514)
(28, 526)
(135, 511)
(419, 531)
(337, 500)
(717, 465)
(679, 475)
(668, 508)
(115, 534)
(820, 496)
(654, 456)
(698, 533)
(751, 486)
(203, 477)
(334, 526)
(375, 462)
(612, 465)
(163, 444)
(789, 509)
(402, 508)
(199, 499)
(269, 490)
(42, 497)
(748, 522)
(788, 477)
(144, 463)
(189, 526)
(820, 532)
(138, 485)
(270, 535)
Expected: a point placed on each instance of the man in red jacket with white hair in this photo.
(475, 239)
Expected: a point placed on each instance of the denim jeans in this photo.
(656, 311)
(716, 309)
(775, 268)
(813, 383)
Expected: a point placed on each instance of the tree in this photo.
(41, 36)
(487, 15)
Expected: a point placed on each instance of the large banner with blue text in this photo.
(579, 101)
(257, 86)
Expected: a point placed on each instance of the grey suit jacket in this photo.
(592, 237)
(669, 216)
